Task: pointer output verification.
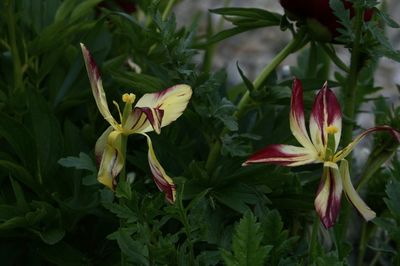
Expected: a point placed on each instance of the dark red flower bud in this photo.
(319, 17)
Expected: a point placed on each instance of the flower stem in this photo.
(350, 92)
(292, 46)
(350, 87)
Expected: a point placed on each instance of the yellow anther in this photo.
(128, 98)
(332, 130)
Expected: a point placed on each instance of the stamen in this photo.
(119, 111)
(128, 98)
(332, 130)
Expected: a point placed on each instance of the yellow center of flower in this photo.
(332, 130)
(128, 98)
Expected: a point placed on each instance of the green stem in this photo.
(17, 68)
(363, 244)
(168, 9)
(122, 177)
(352, 79)
(186, 225)
(350, 100)
(292, 46)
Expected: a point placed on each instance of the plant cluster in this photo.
(121, 144)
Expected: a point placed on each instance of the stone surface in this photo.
(254, 49)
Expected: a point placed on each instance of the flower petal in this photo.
(97, 86)
(352, 194)
(325, 113)
(112, 160)
(297, 122)
(101, 144)
(280, 154)
(327, 202)
(141, 117)
(162, 180)
(171, 101)
(345, 151)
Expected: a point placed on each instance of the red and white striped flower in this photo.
(320, 146)
(151, 112)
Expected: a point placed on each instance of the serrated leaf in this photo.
(272, 226)
(246, 244)
(135, 250)
(124, 190)
(386, 18)
(121, 211)
(393, 202)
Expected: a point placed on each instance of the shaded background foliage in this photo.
(53, 211)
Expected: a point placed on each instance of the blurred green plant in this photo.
(53, 210)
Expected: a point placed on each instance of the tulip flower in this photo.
(322, 23)
(320, 146)
(151, 112)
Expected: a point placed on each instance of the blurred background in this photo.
(254, 49)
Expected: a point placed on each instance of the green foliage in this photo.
(246, 244)
(53, 210)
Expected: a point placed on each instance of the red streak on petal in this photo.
(333, 205)
(273, 154)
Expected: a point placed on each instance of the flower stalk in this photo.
(298, 41)
(352, 79)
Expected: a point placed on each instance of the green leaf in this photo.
(246, 81)
(124, 190)
(51, 236)
(254, 13)
(135, 250)
(236, 196)
(83, 162)
(386, 18)
(225, 34)
(19, 195)
(83, 8)
(121, 211)
(393, 202)
(20, 139)
(246, 244)
(47, 133)
(22, 175)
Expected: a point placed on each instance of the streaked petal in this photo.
(97, 86)
(352, 194)
(162, 180)
(101, 144)
(344, 152)
(112, 160)
(327, 202)
(297, 122)
(280, 154)
(325, 113)
(171, 101)
(141, 117)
